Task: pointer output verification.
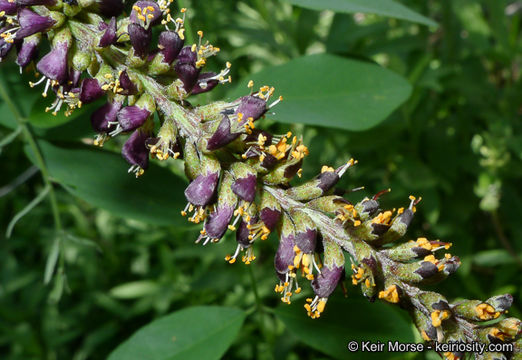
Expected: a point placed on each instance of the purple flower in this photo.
(32, 23)
(170, 45)
(251, 107)
(222, 136)
(132, 117)
(129, 88)
(145, 13)
(9, 7)
(135, 151)
(326, 282)
(54, 64)
(206, 82)
(245, 187)
(306, 240)
(200, 192)
(90, 91)
(217, 223)
(109, 36)
(140, 39)
(103, 120)
(243, 236)
(5, 46)
(187, 56)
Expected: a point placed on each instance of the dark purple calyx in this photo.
(32, 23)
(251, 107)
(103, 120)
(201, 190)
(206, 82)
(427, 269)
(129, 88)
(243, 233)
(306, 240)
(146, 13)
(245, 187)
(54, 64)
(109, 37)
(327, 180)
(170, 45)
(187, 56)
(270, 217)
(285, 254)
(222, 136)
(326, 282)
(140, 39)
(9, 7)
(135, 151)
(217, 223)
(90, 91)
(132, 117)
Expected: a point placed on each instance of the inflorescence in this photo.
(239, 175)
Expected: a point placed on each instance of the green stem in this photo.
(254, 289)
(38, 157)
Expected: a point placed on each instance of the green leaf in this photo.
(201, 332)
(344, 320)
(388, 8)
(332, 91)
(135, 289)
(100, 178)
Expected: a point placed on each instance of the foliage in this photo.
(121, 261)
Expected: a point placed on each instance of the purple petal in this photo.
(285, 254)
(5, 47)
(217, 223)
(101, 117)
(222, 136)
(270, 217)
(54, 64)
(243, 233)
(109, 36)
(90, 91)
(251, 107)
(28, 51)
(326, 282)
(306, 240)
(245, 187)
(32, 23)
(135, 151)
(9, 7)
(170, 45)
(140, 39)
(132, 117)
(200, 192)
(327, 180)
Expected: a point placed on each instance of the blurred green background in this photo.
(79, 278)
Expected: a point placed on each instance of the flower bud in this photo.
(200, 191)
(132, 117)
(206, 82)
(328, 204)
(501, 302)
(245, 181)
(136, 153)
(437, 305)
(29, 50)
(127, 87)
(415, 249)
(367, 208)
(251, 107)
(400, 223)
(512, 327)
(103, 120)
(270, 211)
